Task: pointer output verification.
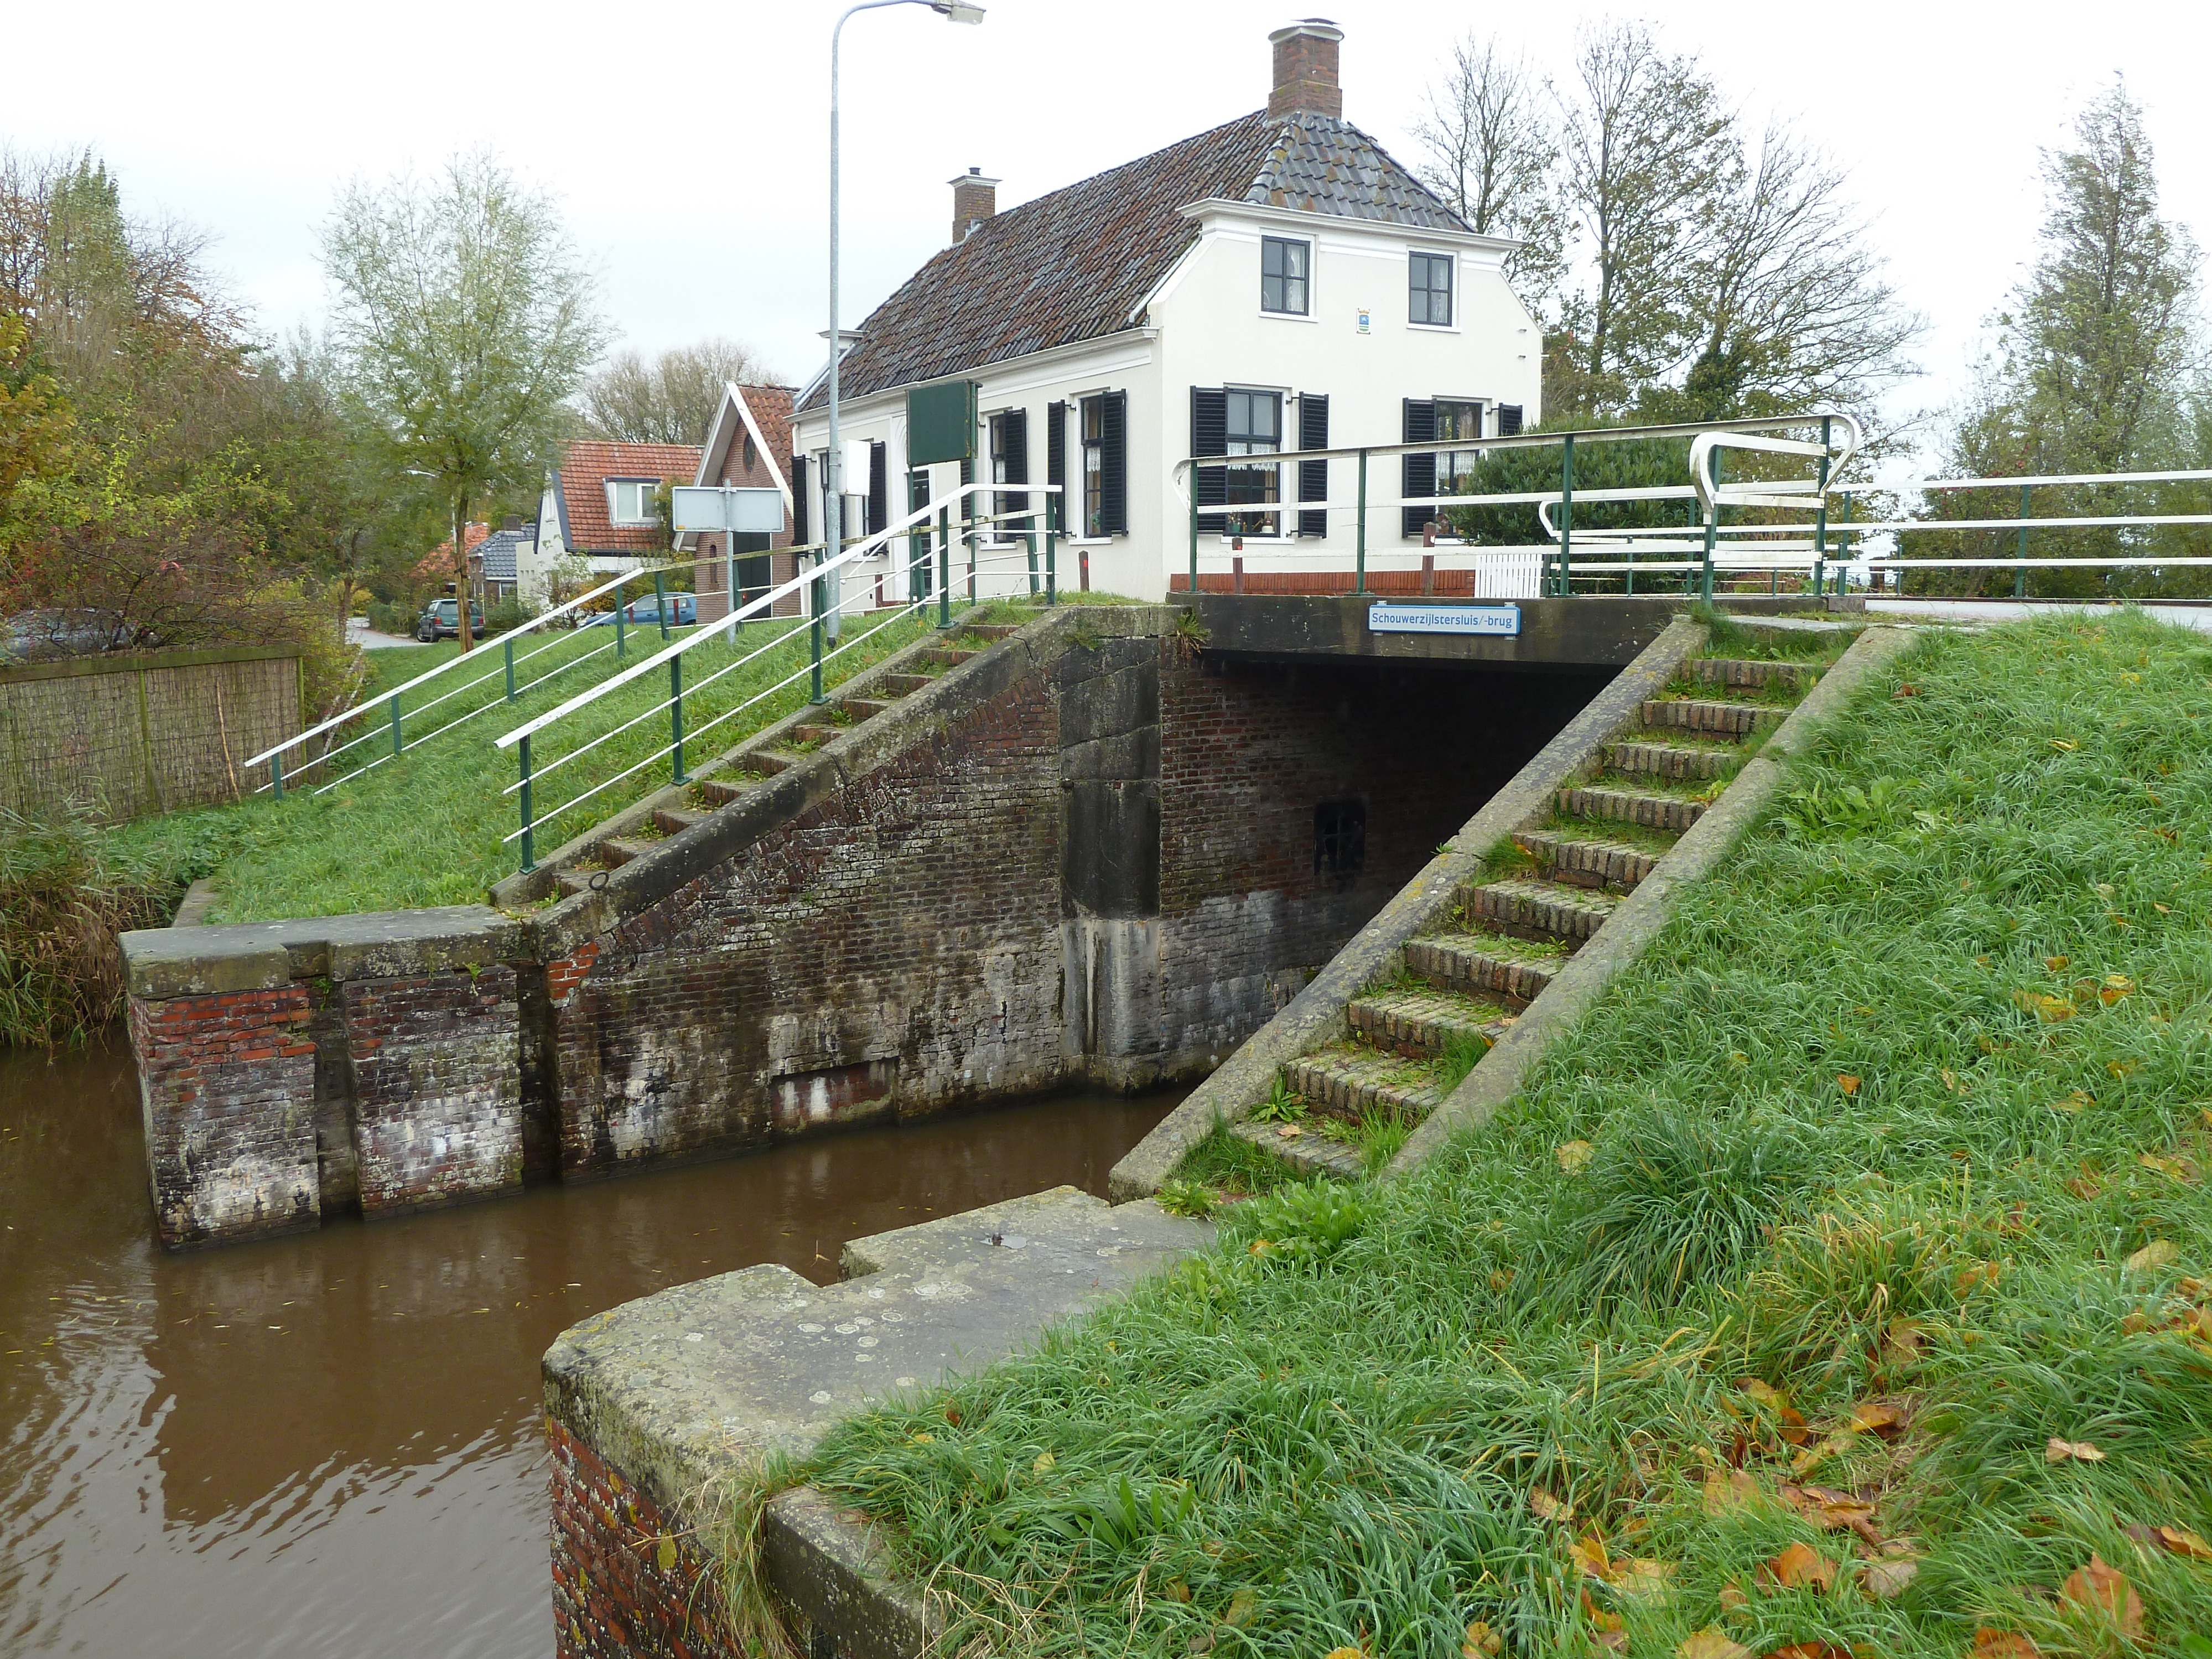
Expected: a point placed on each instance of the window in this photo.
(1105, 465)
(1461, 419)
(1283, 272)
(1255, 428)
(751, 455)
(1340, 841)
(1431, 301)
(630, 500)
(1094, 466)
(1010, 464)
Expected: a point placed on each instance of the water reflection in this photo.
(329, 1444)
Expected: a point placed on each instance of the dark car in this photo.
(442, 621)
(683, 612)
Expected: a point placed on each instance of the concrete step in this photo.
(946, 656)
(867, 708)
(816, 732)
(1753, 676)
(992, 631)
(1719, 719)
(905, 685)
(719, 791)
(618, 850)
(1353, 1078)
(1587, 863)
(1660, 760)
(1628, 806)
(769, 762)
(1494, 965)
(1305, 1149)
(1544, 909)
(573, 881)
(673, 821)
(1425, 1021)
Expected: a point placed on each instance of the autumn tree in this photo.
(462, 322)
(1492, 154)
(669, 400)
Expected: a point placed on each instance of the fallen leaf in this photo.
(1643, 1577)
(1588, 1553)
(2173, 1169)
(1801, 1567)
(1574, 1155)
(2115, 986)
(1832, 1510)
(1793, 1427)
(1950, 1079)
(1885, 1580)
(2179, 1540)
(1202, 1642)
(2085, 1186)
(1811, 1650)
(1765, 1393)
(1044, 1462)
(1482, 1642)
(2003, 1645)
(925, 1438)
(1834, 1446)
(1547, 1507)
(1712, 1642)
(1971, 1279)
(2058, 965)
(1288, 1131)
(1241, 1607)
(666, 1555)
(2074, 1102)
(2104, 1590)
(2153, 1255)
(1726, 1494)
(2081, 1451)
(1260, 1247)
(1847, 1083)
(1878, 1416)
(1733, 1599)
(1613, 1641)
(1343, 1653)
(2064, 746)
(1906, 1336)
(1177, 1591)
(1907, 689)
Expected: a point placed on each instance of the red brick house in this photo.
(599, 507)
(749, 446)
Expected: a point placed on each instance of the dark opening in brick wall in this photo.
(1340, 841)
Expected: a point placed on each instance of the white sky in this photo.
(688, 142)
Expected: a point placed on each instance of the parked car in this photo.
(683, 612)
(441, 620)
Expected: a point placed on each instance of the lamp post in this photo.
(833, 528)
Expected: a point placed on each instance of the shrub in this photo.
(65, 895)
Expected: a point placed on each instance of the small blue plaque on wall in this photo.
(1494, 619)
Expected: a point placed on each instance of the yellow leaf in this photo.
(1345, 1653)
(1574, 1155)
(1177, 1591)
(2058, 965)
(2153, 1255)
(1712, 1642)
(2182, 1541)
(1045, 1460)
(1643, 1577)
(1241, 1607)
(1588, 1553)
(1765, 1393)
(1877, 1417)
(2074, 1102)
(925, 1438)
(2174, 1168)
(1726, 1494)
(2063, 746)
(2057, 1451)
(666, 1555)
(1546, 1507)
(1482, 1642)
(1847, 1083)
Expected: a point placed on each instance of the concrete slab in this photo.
(196, 961)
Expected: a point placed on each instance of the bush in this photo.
(64, 894)
(508, 613)
(391, 619)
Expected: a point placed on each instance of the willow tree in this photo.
(462, 321)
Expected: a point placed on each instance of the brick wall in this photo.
(629, 1582)
(227, 1082)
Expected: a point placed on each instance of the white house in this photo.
(1277, 282)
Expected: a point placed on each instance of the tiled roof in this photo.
(1075, 264)
(497, 552)
(437, 565)
(584, 474)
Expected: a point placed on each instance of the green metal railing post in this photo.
(1843, 577)
(816, 590)
(945, 567)
(1712, 533)
(1051, 549)
(1360, 538)
(1820, 516)
(276, 777)
(509, 647)
(2019, 579)
(529, 856)
(1029, 541)
(397, 744)
(1194, 534)
(675, 717)
(660, 604)
(969, 536)
(1567, 513)
(622, 644)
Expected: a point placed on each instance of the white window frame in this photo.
(645, 486)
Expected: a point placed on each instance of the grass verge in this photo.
(1840, 1288)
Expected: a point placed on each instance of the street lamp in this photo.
(956, 11)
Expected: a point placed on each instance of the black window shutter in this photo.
(1420, 478)
(1055, 461)
(968, 471)
(879, 489)
(1017, 442)
(1114, 463)
(799, 536)
(1209, 435)
(1509, 420)
(1313, 476)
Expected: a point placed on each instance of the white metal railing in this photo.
(930, 526)
(387, 705)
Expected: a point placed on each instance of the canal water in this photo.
(329, 1445)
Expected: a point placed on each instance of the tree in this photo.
(1783, 307)
(1643, 138)
(671, 400)
(463, 323)
(1492, 152)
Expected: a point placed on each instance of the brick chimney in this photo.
(1305, 69)
(975, 198)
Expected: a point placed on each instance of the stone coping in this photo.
(258, 956)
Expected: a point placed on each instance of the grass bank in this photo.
(1839, 1291)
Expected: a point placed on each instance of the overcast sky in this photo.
(688, 142)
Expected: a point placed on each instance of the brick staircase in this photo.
(1342, 1107)
(782, 746)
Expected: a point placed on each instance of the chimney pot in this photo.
(1306, 70)
(975, 198)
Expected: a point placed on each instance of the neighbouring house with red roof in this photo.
(1279, 283)
(748, 446)
(435, 568)
(599, 507)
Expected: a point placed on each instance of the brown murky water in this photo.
(329, 1445)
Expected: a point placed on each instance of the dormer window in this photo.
(630, 501)
(1285, 265)
(1430, 296)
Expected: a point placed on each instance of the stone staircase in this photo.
(572, 869)
(1340, 1108)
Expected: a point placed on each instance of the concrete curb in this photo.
(1499, 1076)
(1316, 1014)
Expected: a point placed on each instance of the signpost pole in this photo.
(1360, 538)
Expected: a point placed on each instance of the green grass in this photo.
(426, 829)
(1377, 1414)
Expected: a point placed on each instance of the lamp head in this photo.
(957, 11)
